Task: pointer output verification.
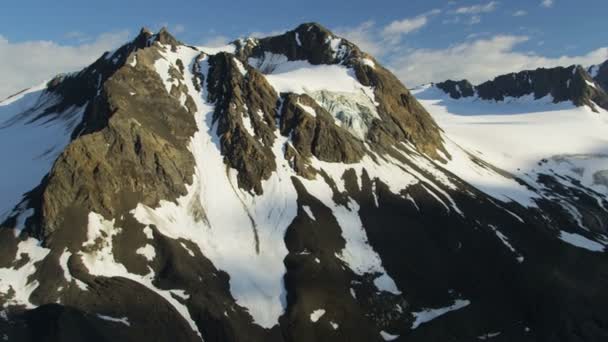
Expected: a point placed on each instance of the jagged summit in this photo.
(280, 189)
(572, 83)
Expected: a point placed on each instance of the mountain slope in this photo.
(280, 189)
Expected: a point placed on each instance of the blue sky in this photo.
(488, 36)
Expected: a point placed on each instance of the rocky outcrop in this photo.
(457, 89)
(600, 74)
(134, 128)
(316, 134)
(243, 101)
(311, 42)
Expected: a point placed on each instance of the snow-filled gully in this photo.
(243, 233)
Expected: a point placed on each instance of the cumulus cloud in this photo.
(478, 9)
(264, 34)
(480, 60)
(379, 41)
(365, 37)
(547, 3)
(24, 64)
(398, 28)
(215, 41)
(179, 28)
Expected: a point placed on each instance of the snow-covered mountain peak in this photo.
(290, 188)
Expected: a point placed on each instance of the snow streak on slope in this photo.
(427, 315)
(240, 233)
(30, 145)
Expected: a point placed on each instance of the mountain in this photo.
(288, 188)
(573, 84)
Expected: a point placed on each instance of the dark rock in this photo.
(457, 89)
(240, 98)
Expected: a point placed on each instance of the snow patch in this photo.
(309, 212)
(122, 320)
(368, 62)
(388, 337)
(427, 315)
(488, 336)
(316, 315)
(308, 109)
(240, 66)
(14, 282)
(147, 252)
(581, 242)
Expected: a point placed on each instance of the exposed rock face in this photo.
(600, 74)
(151, 159)
(457, 89)
(371, 236)
(243, 100)
(564, 84)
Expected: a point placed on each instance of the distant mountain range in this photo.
(584, 87)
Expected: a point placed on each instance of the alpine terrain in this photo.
(291, 188)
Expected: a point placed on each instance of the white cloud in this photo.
(379, 41)
(405, 26)
(520, 13)
(477, 9)
(215, 41)
(547, 3)
(480, 60)
(25, 64)
(365, 37)
(476, 19)
(77, 36)
(262, 34)
(394, 31)
(179, 28)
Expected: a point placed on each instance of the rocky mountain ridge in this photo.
(572, 83)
